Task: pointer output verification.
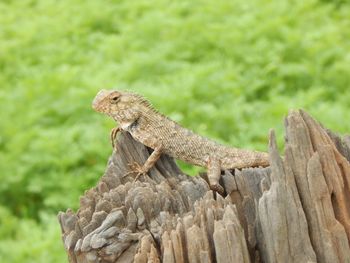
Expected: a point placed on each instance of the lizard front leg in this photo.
(152, 159)
(113, 135)
(214, 174)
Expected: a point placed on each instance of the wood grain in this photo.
(296, 210)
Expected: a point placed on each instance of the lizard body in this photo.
(135, 115)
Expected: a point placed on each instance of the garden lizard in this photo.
(138, 117)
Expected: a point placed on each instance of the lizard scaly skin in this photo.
(136, 115)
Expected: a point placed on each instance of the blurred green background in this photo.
(229, 70)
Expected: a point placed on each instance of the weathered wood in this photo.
(296, 210)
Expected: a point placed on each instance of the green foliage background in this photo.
(229, 70)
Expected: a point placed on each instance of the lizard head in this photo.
(124, 107)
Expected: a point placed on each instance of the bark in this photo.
(296, 210)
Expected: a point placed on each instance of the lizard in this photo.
(136, 115)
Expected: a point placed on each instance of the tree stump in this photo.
(296, 210)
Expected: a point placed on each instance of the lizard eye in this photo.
(115, 99)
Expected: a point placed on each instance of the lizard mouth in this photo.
(97, 103)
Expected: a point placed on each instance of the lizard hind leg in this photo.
(214, 175)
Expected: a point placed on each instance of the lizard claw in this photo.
(136, 169)
(113, 135)
(217, 188)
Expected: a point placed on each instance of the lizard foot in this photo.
(217, 188)
(113, 135)
(136, 169)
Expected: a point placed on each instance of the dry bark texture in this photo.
(296, 210)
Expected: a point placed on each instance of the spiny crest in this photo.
(143, 101)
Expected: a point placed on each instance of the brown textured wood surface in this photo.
(296, 210)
